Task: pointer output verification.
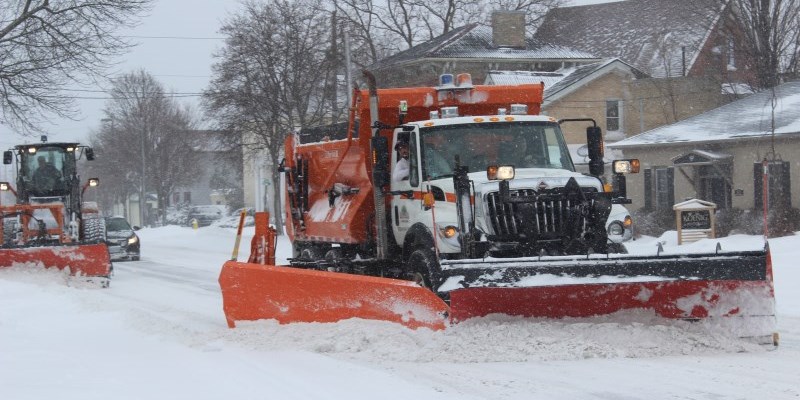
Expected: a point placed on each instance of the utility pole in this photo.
(142, 201)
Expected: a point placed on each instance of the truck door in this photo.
(404, 183)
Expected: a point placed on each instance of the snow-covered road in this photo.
(159, 332)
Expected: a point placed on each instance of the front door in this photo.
(404, 183)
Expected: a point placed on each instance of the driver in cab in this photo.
(402, 168)
(46, 177)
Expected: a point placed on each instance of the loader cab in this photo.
(45, 169)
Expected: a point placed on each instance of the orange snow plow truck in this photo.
(458, 201)
(49, 225)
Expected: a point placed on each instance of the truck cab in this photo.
(533, 145)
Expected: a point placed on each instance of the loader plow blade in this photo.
(679, 287)
(252, 292)
(90, 260)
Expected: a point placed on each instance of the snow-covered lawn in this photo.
(159, 333)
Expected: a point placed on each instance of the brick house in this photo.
(663, 38)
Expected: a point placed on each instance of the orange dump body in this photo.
(348, 162)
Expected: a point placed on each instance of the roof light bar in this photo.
(519, 109)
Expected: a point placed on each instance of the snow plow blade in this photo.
(87, 260)
(688, 286)
(253, 291)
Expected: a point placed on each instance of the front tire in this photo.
(93, 228)
(424, 268)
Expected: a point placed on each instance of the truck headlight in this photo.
(132, 240)
(449, 231)
(626, 166)
(500, 172)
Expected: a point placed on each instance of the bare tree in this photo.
(46, 45)
(769, 34)
(388, 26)
(271, 76)
(150, 139)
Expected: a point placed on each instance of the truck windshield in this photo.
(521, 144)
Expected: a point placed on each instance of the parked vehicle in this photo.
(122, 240)
(619, 224)
(206, 215)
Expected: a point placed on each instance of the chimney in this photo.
(508, 29)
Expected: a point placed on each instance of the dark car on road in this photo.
(206, 215)
(121, 238)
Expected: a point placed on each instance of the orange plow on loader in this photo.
(737, 288)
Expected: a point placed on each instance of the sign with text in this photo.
(696, 219)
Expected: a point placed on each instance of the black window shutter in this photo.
(670, 187)
(758, 186)
(648, 189)
(786, 185)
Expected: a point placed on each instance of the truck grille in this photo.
(549, 216)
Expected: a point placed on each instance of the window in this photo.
(779, 185)
(413, 163)
(176, 198)
(659, 188)
(613, 119)
(187, 197)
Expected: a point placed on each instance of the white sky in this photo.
(175, 44)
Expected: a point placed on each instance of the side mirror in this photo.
(136, 227)
(380, 161)
(8, 156)
(594, 142)
(89, 153)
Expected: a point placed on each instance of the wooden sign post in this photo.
(695, 220)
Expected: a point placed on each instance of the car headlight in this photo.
(132, 240)
(616, 229)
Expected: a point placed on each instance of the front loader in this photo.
(491, 218)
(50, 225)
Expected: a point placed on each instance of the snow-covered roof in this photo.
(651, 35)
(475, 41)
(580, 75)
(525, 77)
(750, 117)
(564, 81)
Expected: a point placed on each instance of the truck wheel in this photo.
(617, 248)
(93, 228)
(309, 251)
(424, 267)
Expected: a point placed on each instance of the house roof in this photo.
(475, 41)
(648, 34)
(750, 117)
(562, 82)
(579, 76)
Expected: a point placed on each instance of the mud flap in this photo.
(253, 292)
(88, 260)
